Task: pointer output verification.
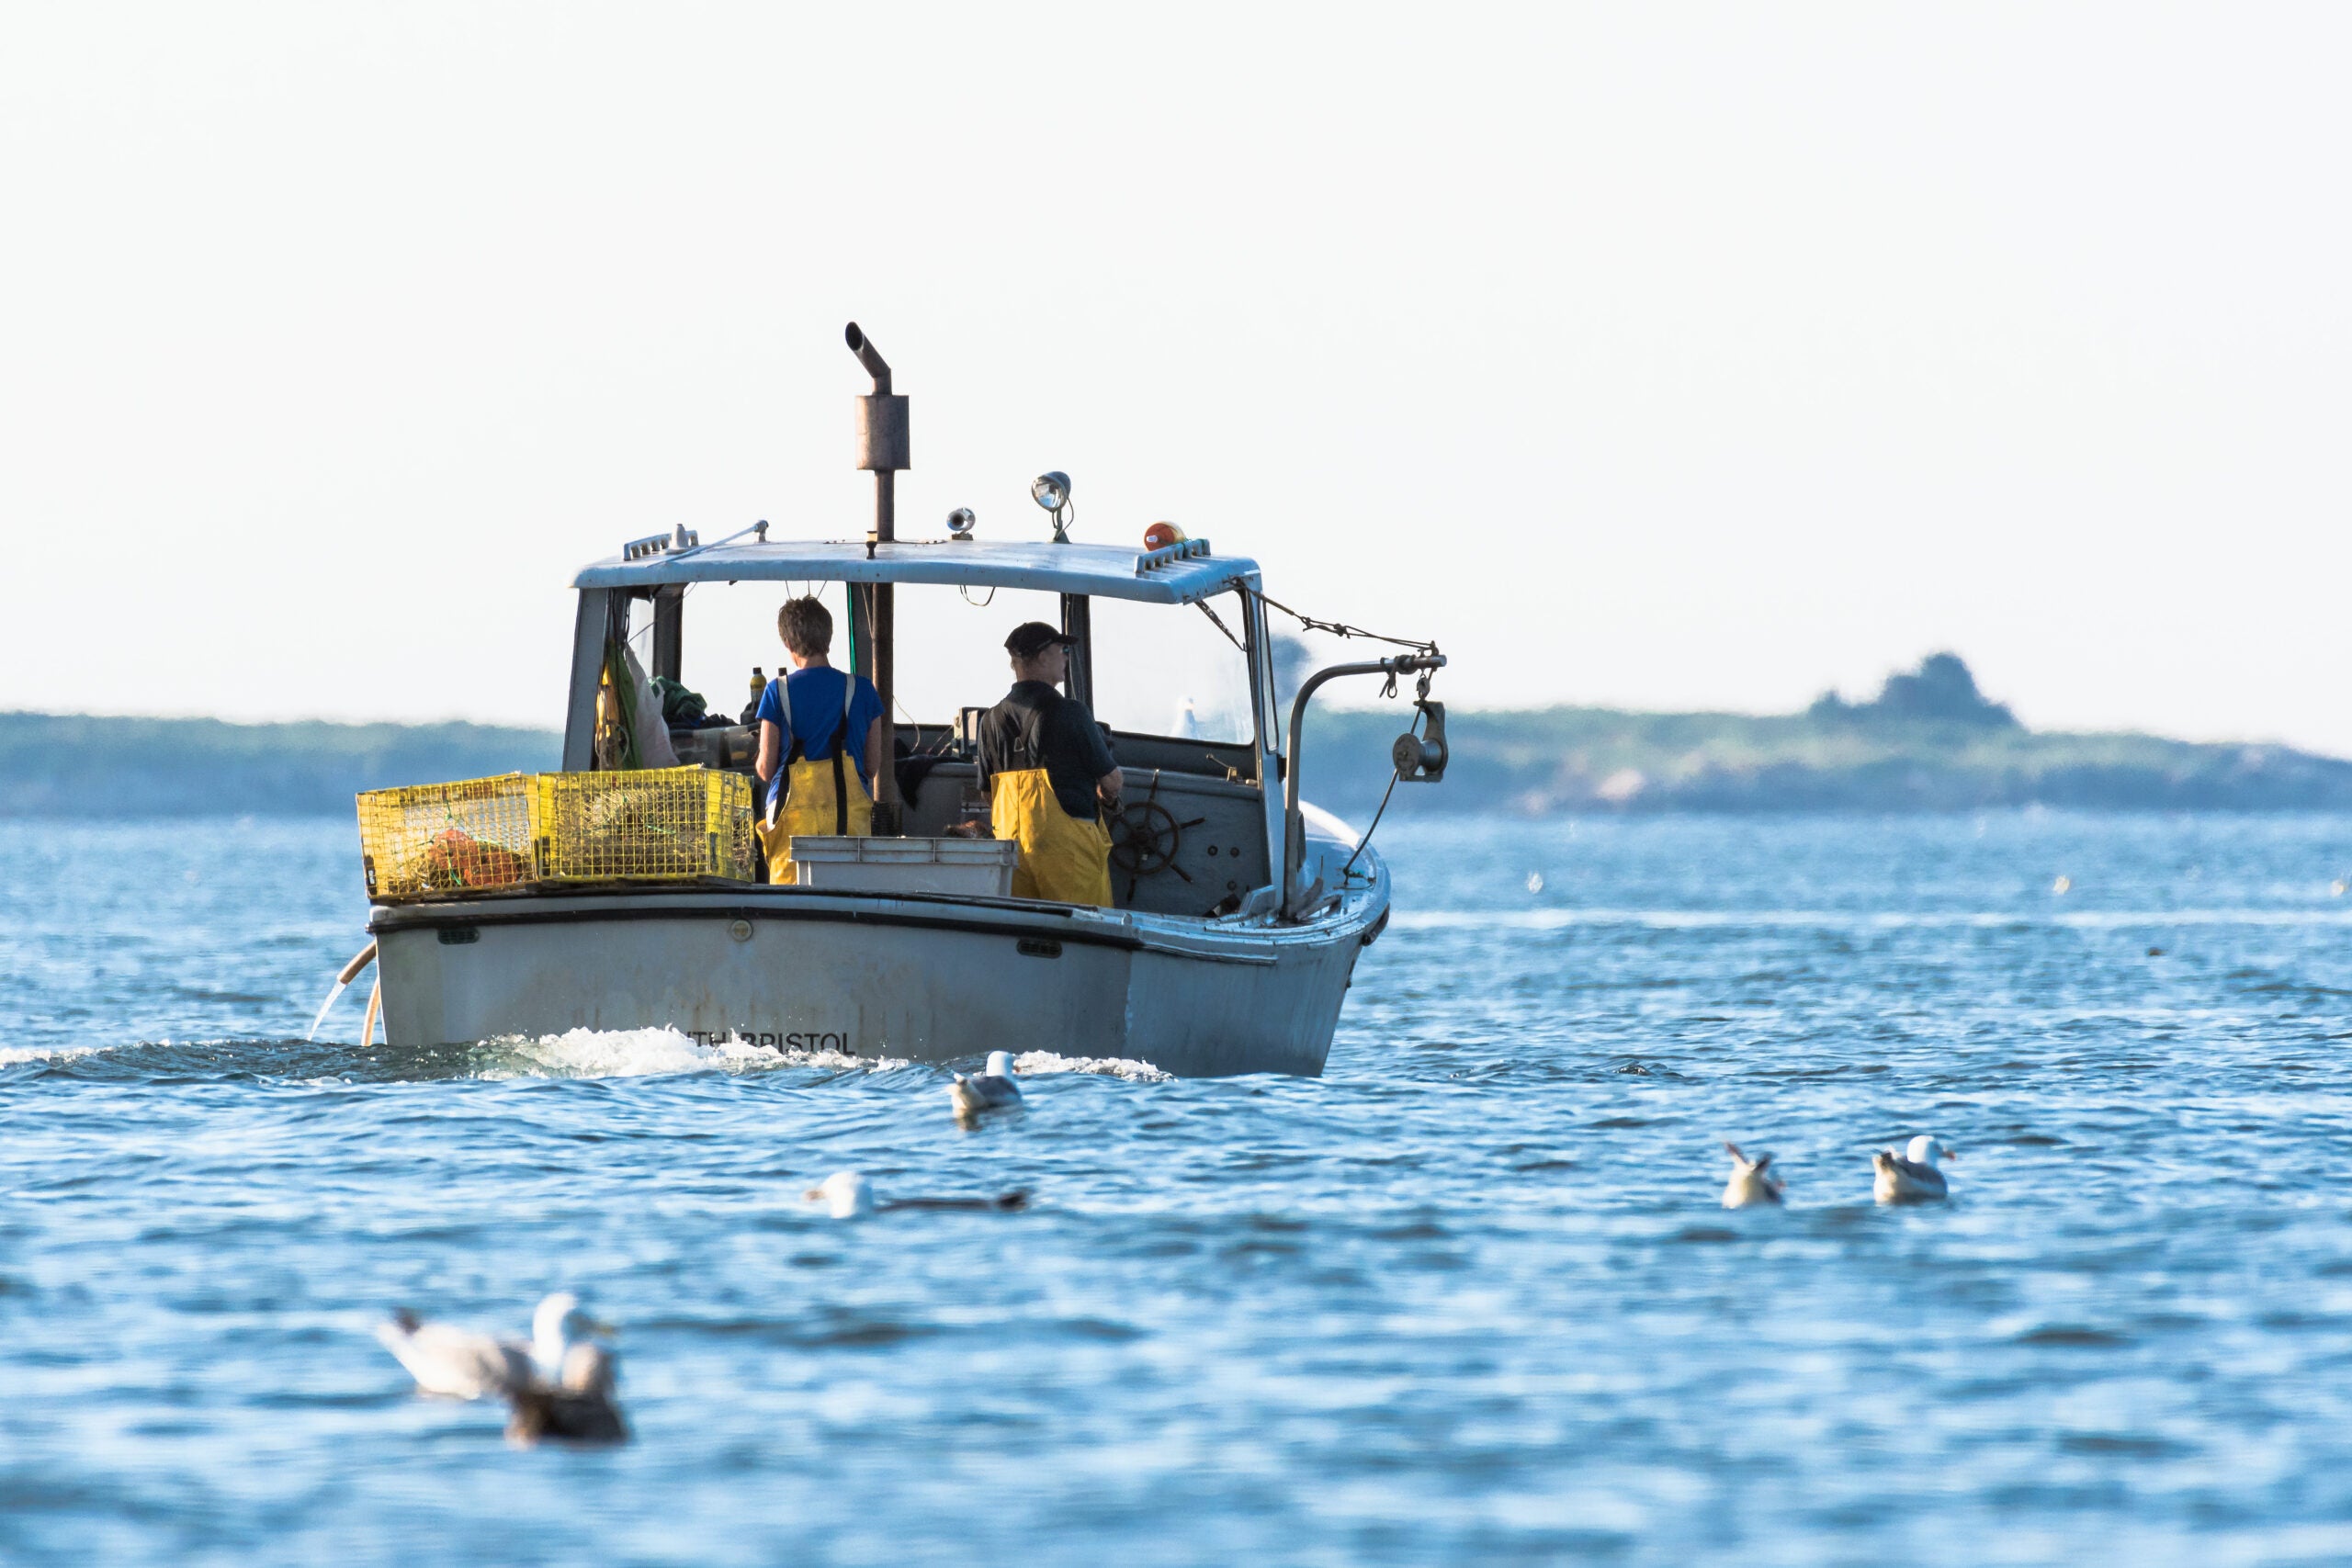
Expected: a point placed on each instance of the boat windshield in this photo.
(1164, 670)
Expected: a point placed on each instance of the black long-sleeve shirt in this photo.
(1037, 726)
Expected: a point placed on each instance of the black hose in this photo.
(1394, 774)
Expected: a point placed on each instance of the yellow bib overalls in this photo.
(1062, 858)
(818, 797)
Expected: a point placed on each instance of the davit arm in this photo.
(1294, 823)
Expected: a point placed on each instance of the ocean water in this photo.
(1468, 1298)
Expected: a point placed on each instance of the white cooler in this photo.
(981, 867)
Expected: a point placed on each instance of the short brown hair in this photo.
(806, 625)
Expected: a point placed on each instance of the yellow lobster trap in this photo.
(524, 831)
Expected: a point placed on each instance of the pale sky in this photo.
(1652, 356)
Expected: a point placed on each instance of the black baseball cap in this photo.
(1030, 638)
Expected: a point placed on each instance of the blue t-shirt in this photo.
(814, 698)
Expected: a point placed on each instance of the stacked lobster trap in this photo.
(520, 832)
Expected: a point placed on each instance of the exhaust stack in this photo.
(882, 449)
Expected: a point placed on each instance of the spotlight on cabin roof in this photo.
(959, 523)
(1051, 491)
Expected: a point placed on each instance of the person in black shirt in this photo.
(1050, 775)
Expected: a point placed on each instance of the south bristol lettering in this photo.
(796, 1041)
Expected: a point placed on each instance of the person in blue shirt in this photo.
(816, 725)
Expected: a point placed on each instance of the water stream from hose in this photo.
(344, 977)
(327, 1007)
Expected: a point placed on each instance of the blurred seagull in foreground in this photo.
(845, 1193)
(1749, 1184)
(457, 1363)
(454, 1363)
(576, 1407)
(848, 1195)
(991, 1090)
(560, 1386)
(1911, 1176)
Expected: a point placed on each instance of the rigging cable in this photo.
(1202, 606)
(1339, 628)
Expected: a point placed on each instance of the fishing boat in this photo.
(1238, 909)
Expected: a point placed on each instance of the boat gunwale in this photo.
(1196, 937)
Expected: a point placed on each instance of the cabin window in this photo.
(728, 627)
(1161, 669)
(951, 645)
(1168, 669)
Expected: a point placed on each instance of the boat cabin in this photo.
(1170, 655)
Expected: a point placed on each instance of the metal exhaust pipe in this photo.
(875, 366)
(884, 449)
(882, 443)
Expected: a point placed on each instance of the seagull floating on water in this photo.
(577, 1407)
(991, 1090)
(1911, 1176)
(560, 1386)
(848, 1195)
(457, 1363)
(1749, 1184)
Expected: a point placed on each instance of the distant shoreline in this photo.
(1556, 762)
(73, 765)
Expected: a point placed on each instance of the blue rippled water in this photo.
(1469, 1298)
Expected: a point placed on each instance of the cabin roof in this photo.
(1178, 575)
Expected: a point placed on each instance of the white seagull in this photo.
(1749, 1184)
(991, 1090)
(1911, 1176)
(847, 1193)
(457, 1363)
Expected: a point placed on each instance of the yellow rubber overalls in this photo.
(1062, 858)
(818, 797)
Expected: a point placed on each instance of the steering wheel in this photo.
(1144, 839)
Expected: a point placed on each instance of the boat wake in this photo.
(17, 1055)
(645, 1053)
(1038, 1063)
(575, 1054)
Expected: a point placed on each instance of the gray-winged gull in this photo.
(1910, 1177)
(991, 1090)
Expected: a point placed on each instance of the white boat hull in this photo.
(925, 978)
